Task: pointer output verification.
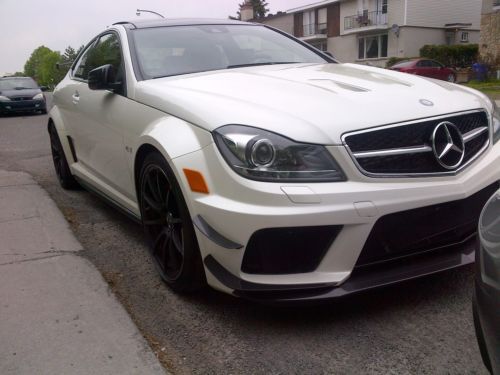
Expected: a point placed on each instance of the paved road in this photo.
(421, 327)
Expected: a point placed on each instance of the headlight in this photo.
(4, 99)
(496, 122)
(38, 97)
(261, 155)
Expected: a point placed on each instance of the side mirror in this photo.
(44, 88)
(103, 78)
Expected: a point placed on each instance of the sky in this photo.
(28, 24)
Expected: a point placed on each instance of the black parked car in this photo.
(21, 94)
(487, 292)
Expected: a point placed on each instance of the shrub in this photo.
(460, 55)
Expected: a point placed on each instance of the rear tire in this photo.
(168, 227)
(451, 78)
(61, 166)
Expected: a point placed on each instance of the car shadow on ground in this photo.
(407, 295)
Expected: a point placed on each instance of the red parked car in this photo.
(426, 68)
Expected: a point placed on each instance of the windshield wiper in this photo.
(262, 63)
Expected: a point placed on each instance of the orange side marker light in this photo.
(196, 181)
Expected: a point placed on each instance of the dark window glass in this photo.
(361, 48)
(372, 47)
(167, 51)
(105, 51)
(17, 83)
(383, 48)
(384, 6)
(404, 64)
(79, 68)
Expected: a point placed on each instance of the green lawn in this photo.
(490, 88)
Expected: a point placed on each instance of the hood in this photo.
(28, 93)
(309, 103)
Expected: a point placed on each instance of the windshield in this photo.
(168, 51)
(17, 84)
(404, 64)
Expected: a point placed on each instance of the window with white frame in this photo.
(322, 21)
(372, 47)
(464, 37)
(309, 21)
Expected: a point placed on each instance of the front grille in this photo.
(406, 149)
(424, 229)
(288, 250)
(21, 98)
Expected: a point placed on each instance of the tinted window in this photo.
(105, 51)
(17, 83)
(434, 64)
(167, 51)
(79, 69)
(404, 64)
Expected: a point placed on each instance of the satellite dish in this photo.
(395, 29)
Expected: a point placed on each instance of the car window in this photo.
(167, 51)
(17, 83)
(403, 64)
(435, 64)
(79, 69)
(105, 51)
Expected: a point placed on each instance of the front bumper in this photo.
(237, 208)
(21, 106)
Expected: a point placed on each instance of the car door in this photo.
(435, 69)
(96, 132)
(421, 68)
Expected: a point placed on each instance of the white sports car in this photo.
(265, 168)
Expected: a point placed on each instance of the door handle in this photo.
(76, 97)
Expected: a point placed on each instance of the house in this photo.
(489, 46)
(372, 31)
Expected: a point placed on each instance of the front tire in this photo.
(61, 166)
(168, 227)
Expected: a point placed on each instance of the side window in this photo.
(105, 51)
(79, 68)
(435, 64)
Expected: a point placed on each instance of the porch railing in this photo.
(365, 19)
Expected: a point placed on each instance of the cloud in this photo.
(57, 24)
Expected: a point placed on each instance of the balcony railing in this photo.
(315, 29)
(365, 19)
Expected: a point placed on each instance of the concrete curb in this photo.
(58, 315)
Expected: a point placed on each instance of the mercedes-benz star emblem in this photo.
(448, 145)
(426, 102)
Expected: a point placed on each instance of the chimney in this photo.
(246, 11)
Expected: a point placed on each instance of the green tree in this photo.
(49, 74)
(32, 66)
(69, 55)
(260, 9)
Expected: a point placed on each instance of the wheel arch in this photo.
(144, 150)
(55, 119)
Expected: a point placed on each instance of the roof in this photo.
(179, 22)
(312, 6)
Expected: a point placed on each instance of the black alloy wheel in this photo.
(61, 166)
(168, 227)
